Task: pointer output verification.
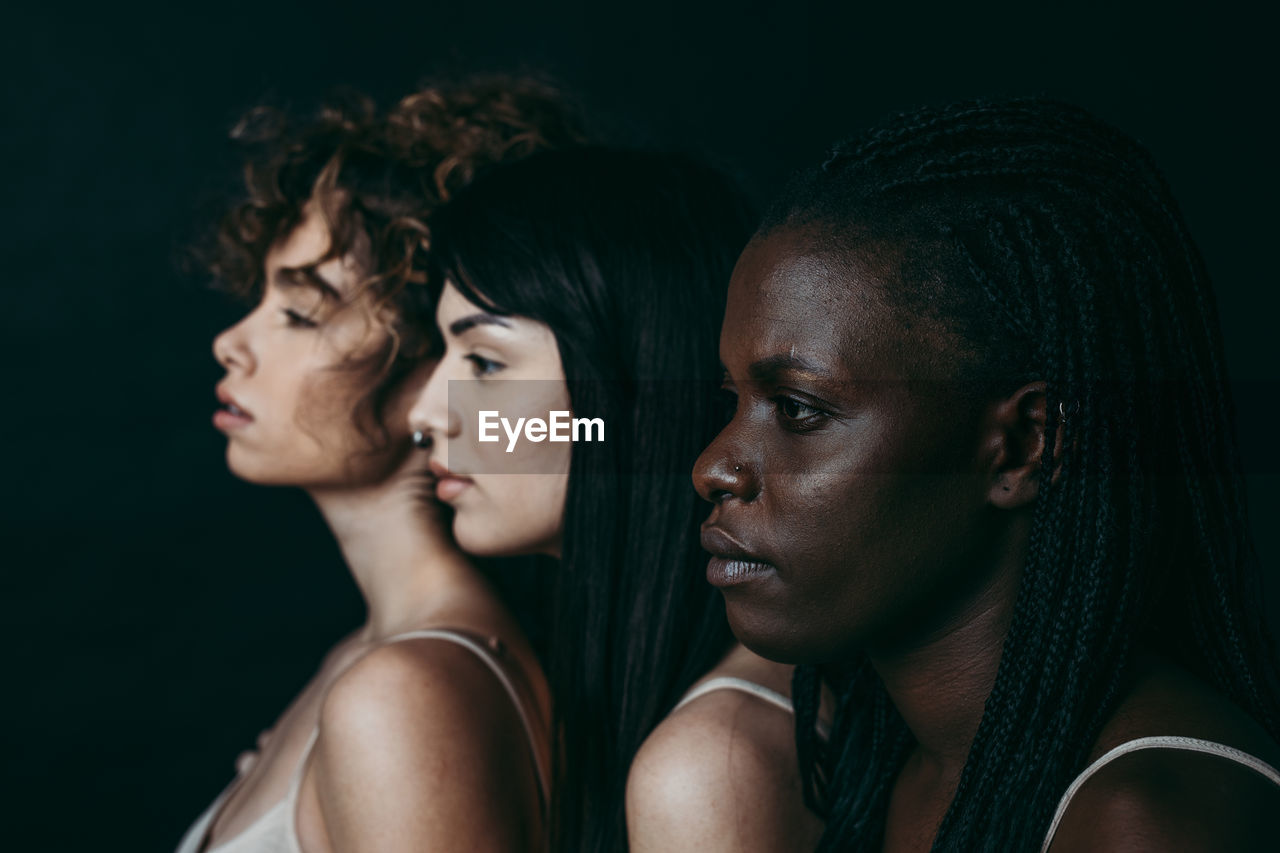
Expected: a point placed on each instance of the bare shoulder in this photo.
(1162, 799)
(415, 746)
(1167, 799)
(719, 774)
(427, 681)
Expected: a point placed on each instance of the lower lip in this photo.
(225, 420)
(723, 572)
(450, 487)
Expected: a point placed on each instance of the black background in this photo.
(159, 613)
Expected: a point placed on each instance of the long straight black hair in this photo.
(626, 256)
(1053, 247)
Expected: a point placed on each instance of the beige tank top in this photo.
(275, 830)
(1164, 742)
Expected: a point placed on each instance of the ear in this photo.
(1016, 432)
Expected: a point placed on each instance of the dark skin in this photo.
(892, 508)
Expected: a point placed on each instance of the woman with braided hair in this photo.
(427, 727)
(982, 483)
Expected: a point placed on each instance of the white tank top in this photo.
(1164, 742)
(274, 831)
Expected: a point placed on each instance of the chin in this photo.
(481, 539)
(245, 469)
(309, 471)
(259, 471)
(773, 637)
(484, 542)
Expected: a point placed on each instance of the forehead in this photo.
(308, 242)
(305, 244)
(453, 304)
(454, 308)
(790, 295)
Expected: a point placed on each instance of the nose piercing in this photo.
(737, 468)
(421, 439)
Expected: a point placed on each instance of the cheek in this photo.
(856, 545)
(511, 514)
(881, 554)
(325, 406)
(318, 433)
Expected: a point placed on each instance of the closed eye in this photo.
(297, 320)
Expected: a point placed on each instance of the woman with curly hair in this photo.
(982, 482)
(426, 728)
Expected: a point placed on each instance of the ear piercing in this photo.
(421, 439)
(1065, 413)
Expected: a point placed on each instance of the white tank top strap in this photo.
(727, 682)
(486, 654)
(1160, 742)
(295, 781)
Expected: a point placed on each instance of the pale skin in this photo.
(504, 503)
(720, 774)
(699, 780)
(419, 746)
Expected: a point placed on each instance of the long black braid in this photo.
(1052, 246)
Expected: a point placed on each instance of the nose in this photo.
(725, 471)
(231, 348)
(430, 417)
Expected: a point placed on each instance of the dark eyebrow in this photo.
(480, 318)
(293, 277)
(768, 368)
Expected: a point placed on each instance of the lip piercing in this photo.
(421, 439)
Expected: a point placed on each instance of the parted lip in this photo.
(442, 472)
(722, 543)
(225, 398)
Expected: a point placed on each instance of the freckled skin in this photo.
(874, 516)
(297, 383)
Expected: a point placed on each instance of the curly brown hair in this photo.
(375, 177)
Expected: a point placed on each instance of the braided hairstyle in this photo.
(1051, 246)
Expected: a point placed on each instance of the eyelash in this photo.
(796, 423)
(792, 423)
(484, 366)
(296, 320)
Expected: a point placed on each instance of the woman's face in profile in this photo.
(849, 492)
(288, 396)
(507, 487)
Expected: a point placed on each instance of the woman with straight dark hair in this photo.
(589, 283)
(982, 482)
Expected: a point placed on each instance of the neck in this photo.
(398, 550)
(940, 681)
